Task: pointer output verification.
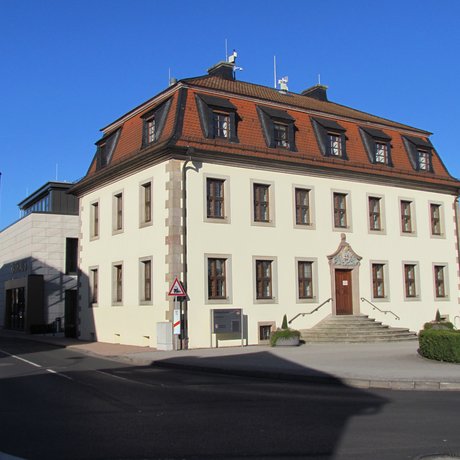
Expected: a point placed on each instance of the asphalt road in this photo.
(58, 404)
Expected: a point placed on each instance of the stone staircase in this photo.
(354, 328)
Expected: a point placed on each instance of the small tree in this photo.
(284, 324)
(438, 316)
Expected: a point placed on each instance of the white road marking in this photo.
(59, 374)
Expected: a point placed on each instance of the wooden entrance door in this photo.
(343, 292)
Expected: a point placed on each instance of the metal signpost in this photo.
(176, 291)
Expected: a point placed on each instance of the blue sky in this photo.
(69, 68)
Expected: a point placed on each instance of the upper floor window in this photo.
(153, 123)
(331, 137)
(218, 117)
(435, 219)
(340, 210)
(146, 204)
(221, 125)
(71, 258)
(375, 222)
(377, 145)
(94, 230)
(278, 128)
(406, 217)
(118, 212)
(261, 202)
(420, 153)
(105, 148)
(302, 206)
(281, 135)
(215, 198)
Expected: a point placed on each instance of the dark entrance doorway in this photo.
(343, 292)
(70, 314)
(15, 314)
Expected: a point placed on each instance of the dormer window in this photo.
(377, 145)
(278, 128)
(105, 149)
(153, 123)
(281, 135)
(335, 144)
(218, 117)
(331, 137)
(420, 153)
(221, 124)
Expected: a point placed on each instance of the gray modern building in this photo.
(38, 263)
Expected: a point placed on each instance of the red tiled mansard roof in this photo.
(183, 126)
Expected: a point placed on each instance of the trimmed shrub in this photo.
(442, 345)
(283, 334)
(284, 324)
(440, 325)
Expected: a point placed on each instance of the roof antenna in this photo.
(319, 79)
(56, 172)
(226, 50)
(274, 72)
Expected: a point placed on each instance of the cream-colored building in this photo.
(265, 203)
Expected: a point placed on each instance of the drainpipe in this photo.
(184, 319)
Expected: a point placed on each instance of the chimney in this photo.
(316, 92)
(223, 70)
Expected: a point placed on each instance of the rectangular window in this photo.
(305, 279)
(264, 286)
(117, 283)
(146, 203)
(150, 127)
(439, 281)
(340, 210)
(146, 280)
(302, 206)
(410, 281)
(71, 256)
(215, 198)
(335, 144)
(94, 220)
(261, 203)
(221, 125)
(406, 216)
(118, 217)
(374, 214)
(435, 217)
(378, 281)
(281, 135)
(94, 285)
(423, 160)
(381, 153)
(217, 278)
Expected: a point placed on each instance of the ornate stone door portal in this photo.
(344, 263)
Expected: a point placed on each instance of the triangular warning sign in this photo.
(177, 289)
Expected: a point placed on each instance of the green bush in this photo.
(442, 345)
(439, 325)
(283, 334)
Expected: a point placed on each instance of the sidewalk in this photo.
(393, 365)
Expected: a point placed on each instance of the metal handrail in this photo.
(381, 311)
(310, 312)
